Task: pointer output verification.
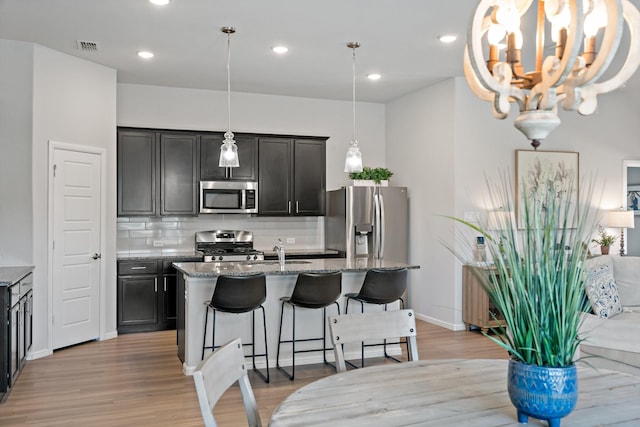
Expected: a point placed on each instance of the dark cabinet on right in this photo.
(292, 176)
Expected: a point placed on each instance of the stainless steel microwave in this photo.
(229, 197)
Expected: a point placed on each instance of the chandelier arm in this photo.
(632, 17)
(501, 87)
(610, 43)
(476, 87)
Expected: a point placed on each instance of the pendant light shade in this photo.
(353, 161)
(228, 149)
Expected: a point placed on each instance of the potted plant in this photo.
(378, 176)
(538, 291)
(605, 240)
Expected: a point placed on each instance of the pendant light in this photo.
(228, 149)
(353, 161)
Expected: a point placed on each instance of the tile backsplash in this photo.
(171, 235)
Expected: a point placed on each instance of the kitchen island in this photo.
(196, 281)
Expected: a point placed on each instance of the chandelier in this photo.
(228, 149)
(586, 35)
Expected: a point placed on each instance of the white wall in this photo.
(16, 218)
(74, 101)
(455, 142)
(176, 108)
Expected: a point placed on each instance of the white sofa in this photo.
(614, 342)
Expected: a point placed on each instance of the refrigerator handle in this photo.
(382, 223)
(376, 226)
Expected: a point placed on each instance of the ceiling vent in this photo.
(87, 46)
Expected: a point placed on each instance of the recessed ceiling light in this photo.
(145, 54)
(160, 2)
(447, 38)
(374, 76)
(280, 49)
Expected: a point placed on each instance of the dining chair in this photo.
(359, 327)
(219, 371)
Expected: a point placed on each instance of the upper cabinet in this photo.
(157, 172)
(210, 153)
(291, 176)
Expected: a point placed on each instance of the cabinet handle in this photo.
(165, 284)
(297, 210)
(155, 284)
(289, 207)
(138, 268)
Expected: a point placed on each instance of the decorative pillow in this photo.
(602, 291)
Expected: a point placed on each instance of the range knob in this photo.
(255, 257)
(248, 257)
(220, 258)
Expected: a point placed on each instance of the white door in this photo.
(76, 247)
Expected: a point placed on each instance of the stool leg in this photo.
(293, 343)
(266, 352)
(253, 344)
(204, 337)
(279, 336)
(213, 330)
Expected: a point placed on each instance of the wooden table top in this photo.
(448, 393)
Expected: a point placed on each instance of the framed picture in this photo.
(633, 199)
(535, 167)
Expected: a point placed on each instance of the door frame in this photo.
(53, 146)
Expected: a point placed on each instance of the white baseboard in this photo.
(109, 335)
(32, 355)
(438, 322)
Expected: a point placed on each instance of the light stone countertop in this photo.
(11, 275)
(214, 269)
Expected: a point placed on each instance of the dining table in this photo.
(458, 392)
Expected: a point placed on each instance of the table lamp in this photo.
(620, 219)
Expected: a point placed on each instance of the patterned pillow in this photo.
(602, 291)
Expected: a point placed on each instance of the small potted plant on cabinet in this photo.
(371, 176)
(605, 240)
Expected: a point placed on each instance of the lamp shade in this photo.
(620, 219)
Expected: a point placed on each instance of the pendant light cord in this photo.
(354, 94)
(228, 82)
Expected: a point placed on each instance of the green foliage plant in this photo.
(538, 288)
(604, 238)
(374, 174)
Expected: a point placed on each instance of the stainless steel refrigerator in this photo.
(368, 221)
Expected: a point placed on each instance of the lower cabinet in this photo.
(16, 320)
(147, 295)
(477, 309)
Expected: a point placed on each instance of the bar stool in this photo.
(312, 290)
(239, 294)
(381, 287)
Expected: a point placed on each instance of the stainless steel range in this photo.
(227, 245)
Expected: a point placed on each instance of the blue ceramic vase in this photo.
(542, 392)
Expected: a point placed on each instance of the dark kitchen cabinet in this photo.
(16, 330)
(292, 176)
(157, 172)
(210, 154)
(147, 294)
(138, 296)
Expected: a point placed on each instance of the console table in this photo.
(447, 393)
(477, 309)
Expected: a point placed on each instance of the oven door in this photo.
(228, 197)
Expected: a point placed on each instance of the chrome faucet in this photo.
(279, 249)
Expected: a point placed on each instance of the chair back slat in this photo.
(358, 327)
(219, 371)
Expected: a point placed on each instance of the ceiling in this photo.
(398, 39)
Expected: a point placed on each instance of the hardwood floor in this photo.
(137, 380)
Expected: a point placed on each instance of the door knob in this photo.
(96, 256)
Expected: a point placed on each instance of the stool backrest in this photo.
(238, 294)
(358, 327)
(219, 371)
(317, 290)
(384, 286)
